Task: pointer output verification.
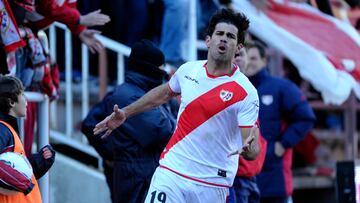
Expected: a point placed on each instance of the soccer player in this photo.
(219, 107)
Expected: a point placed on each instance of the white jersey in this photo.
(212, 110)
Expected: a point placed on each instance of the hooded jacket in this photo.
(285, 116)
(137, 144)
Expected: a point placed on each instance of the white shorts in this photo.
(167, 187)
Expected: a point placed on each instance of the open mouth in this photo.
(222, 49)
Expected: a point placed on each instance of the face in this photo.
(256, 63)
(223, 43)
(19, 108)
(241, 59)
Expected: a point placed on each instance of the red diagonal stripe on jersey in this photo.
(203, 108)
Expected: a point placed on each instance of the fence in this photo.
(67, 137)
(122, 51)
(43, 134)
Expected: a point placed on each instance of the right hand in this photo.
(279, 149)
(88, 38)
(111, 122)
(246, 148)
(94, 18)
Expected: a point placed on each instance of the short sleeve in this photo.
(248, 110)
(174, 82)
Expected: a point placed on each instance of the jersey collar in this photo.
(235, 67)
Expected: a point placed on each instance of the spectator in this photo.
(137, 144)
(41, 14)
(49, 11)
(12, 106)
(31, 64)
(245, 189)
(103, 147)
(285, 118)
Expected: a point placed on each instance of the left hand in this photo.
(88, 38)
(94, 18)
(46, 153)
(111, 122)
(279, 149)
(254, 133)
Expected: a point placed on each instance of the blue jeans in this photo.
(174, 29)
(244, 190)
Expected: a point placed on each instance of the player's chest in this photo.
(209, 97)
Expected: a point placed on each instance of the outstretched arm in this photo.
(153, 98)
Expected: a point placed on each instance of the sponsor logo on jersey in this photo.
(192, 79)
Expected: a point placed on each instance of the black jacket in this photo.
(137, 144)
(142, 136)
(286, 117)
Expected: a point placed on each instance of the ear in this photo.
(12, 103)
(239, 47)
(207, 41)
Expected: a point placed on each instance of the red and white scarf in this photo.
(10, 35)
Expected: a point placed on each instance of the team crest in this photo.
(225, 95)
(267, 99)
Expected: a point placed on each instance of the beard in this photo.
(222, 58)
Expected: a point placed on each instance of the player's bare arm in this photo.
(153, 98)
(250, 138)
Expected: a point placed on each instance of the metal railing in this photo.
(43, 134)
(67, 137)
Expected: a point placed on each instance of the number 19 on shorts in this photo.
(158, 197)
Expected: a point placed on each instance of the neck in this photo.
(217, 68)
(12, 113)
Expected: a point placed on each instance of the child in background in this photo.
(12, 106)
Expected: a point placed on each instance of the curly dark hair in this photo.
(10, 89)
(239, 20)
